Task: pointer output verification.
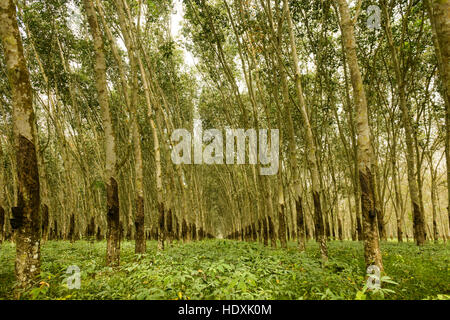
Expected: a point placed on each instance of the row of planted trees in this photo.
(358, 125)
(93, 90)
(97, 110)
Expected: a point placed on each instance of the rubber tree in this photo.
(372, 252)
(112, 188)
(25, 220)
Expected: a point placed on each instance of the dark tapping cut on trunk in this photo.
(113, 224)
(26, 216)
(140, 245)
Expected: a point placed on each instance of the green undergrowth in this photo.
(224, 269)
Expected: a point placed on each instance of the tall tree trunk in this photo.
(353, 233)
(2, 192)
(152, 108)
(72, 228)
(439, 13)
(45, 222)
(272, 233)
(418, 214)
(372, 252)
(310, 143)
(397, 200)
(2, 223)
(433, 176)
(132, 97)
(26, 216)
(281, 213)
(351, 124)
(265, 229)
(112, 188)
(378, 201)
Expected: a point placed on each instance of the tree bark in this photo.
(439, 14)
(140, 242)
(281, 214)
(26, 220)
(372, 252)
(72, 228)
(2, 223)
(112, 188)
(2, 192)
(45, 221)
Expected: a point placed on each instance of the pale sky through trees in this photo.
(176, 21)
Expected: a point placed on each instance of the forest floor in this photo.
(224, 269)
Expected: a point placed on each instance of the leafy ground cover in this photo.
(223, 269)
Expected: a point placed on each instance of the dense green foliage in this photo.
(223, 269)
